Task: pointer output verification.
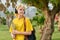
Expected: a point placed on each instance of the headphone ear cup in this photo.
(16, 11)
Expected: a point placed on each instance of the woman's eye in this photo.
(20, 9)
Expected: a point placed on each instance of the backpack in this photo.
(32, 36)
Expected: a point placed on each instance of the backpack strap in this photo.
(26, 38)
(24, 24)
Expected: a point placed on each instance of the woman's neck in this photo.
(19, 17)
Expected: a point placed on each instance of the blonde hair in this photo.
(21, 5)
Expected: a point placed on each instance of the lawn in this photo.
(5, 35)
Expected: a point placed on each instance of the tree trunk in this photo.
(59, 21)
(48, 27)
(8, 21)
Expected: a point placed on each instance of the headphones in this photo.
(16, 12)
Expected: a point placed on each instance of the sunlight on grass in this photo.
(5, 35)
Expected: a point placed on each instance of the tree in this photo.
(38, 19)
(49, 15)
(7, 4)
(4, 9)
(9, 17)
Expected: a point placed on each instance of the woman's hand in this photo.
(15, 32)
(13, 36)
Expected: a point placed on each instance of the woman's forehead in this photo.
(20, 7)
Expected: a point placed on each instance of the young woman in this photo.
(17, 31)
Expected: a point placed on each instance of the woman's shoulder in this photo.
(14, 19)
(27, 18)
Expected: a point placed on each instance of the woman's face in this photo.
(21, 11)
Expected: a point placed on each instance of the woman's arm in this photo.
(22, 33)
(26, 33)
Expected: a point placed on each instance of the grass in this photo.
(5, 35)
(56, 34)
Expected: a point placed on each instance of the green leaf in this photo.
(7, 12)
(54, 2)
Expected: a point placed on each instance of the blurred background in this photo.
(44, 15)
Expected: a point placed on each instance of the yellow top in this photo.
(19, 26)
